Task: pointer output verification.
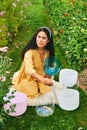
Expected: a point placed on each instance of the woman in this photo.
(32, 79)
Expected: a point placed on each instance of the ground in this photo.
(83, 80)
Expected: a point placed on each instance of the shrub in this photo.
(12, 14)
(5, 63)
(70, 21)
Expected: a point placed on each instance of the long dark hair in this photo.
(32, 43)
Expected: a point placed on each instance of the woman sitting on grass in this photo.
(31, 78)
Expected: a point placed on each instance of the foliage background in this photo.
(35, 15)
(69, 19)
(12, 14)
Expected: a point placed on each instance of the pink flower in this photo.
(5, 98)
(2, 78)
(4, 49)
(25, 5)
(4, 27)
(0, 30)
(29, 3)
(2, 13)
(9, 94)
(9, 34)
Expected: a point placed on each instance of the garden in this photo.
(67, 19)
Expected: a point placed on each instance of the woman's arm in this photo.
(29, 69)
(46, 81)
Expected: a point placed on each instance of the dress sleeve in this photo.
(28, 61)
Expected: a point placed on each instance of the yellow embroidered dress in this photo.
(24, 82)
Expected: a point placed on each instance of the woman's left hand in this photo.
(47, 76)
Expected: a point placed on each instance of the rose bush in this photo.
(5, 63)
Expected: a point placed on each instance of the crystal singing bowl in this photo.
(20, 102)
(45, 110)
(52, 65)
(68, 77)
(69, 99)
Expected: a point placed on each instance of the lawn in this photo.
(61, 119)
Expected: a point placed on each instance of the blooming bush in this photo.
(12, 14)
(5, 63)
(69, 19)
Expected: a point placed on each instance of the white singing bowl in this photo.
(68, 77)
(20, 99)
(69, 99)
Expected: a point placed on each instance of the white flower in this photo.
(7, 72)
(80, 128)
(21, 12)
(82, 30)
(73, 18)
(25, 17)
(14, 4)
(85, 18)
(85, 49)
(18, 0)
(1, 119)
(5, 98)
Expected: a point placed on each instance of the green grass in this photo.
(61, 119)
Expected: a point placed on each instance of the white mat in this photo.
(47, 98)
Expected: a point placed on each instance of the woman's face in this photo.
(41, 40)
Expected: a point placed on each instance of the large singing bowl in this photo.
(19, 101)
(68, 77)
(69, 99)
(52, 65)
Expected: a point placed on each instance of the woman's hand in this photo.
(47, 81)
(47, 76)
